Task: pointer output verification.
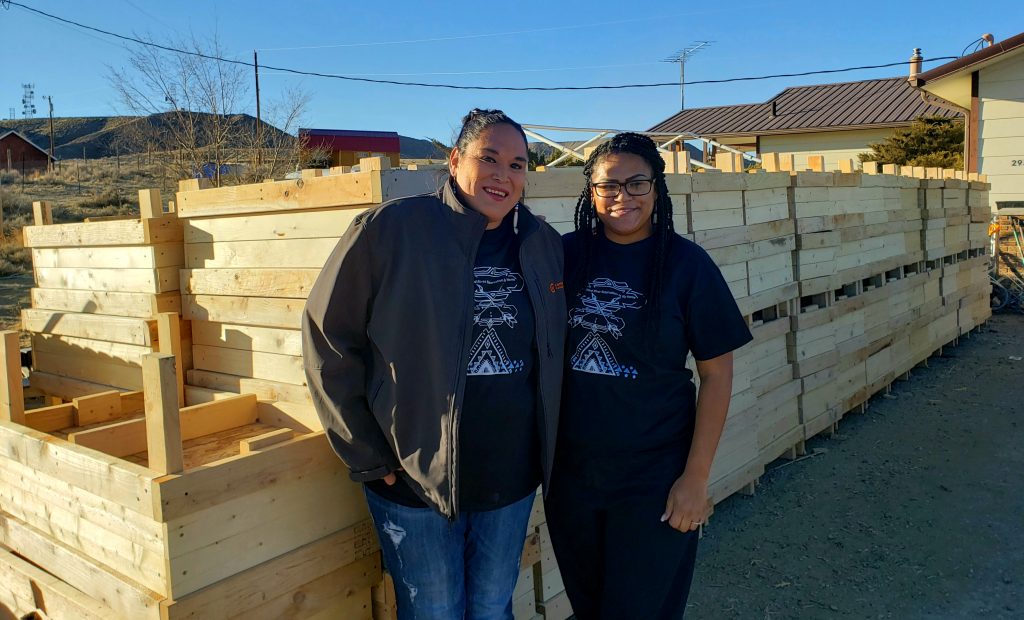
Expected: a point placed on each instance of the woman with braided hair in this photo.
(636, 437)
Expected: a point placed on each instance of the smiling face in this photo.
(490, 172)
(626, 218)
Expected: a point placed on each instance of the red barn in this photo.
(21, 154)
(347, 147)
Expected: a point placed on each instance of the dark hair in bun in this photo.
(474, 123)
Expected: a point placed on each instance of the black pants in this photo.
(620, 562)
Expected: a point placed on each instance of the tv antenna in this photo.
(681, 57)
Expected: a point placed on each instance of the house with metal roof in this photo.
(838, 121)
(988, 87)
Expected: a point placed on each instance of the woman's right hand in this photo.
(390, 479)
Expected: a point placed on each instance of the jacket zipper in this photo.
(461, 370)
(538, 293)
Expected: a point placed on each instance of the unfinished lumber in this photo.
(162, 423)
(12, 399)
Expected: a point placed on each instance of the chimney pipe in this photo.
(915, 63)
(775, 110)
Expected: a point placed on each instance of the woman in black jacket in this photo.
(637, 438)
(433, 345)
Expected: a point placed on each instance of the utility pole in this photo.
(681, 57)
(259, 129)
(49, 164)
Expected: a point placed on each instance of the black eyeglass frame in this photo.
(601, 188)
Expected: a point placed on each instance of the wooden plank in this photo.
(130, 437)
(137, 305)
(108, 541)
(274, 253)
(50, 419)
(247, 337)
(261, 282)
(262, 388)
(127, 598)
(235, 535)
(289, 225)
(342, 593)
(99, 350)
(159, 280)
(299, 417)
(150, 203)
(90, 326)
(124, 232)
(169, 334)
(272, 366)
(162, 424)
(12, 396)
(58, 598)
(89, 367)
(215, 483)
(42, 212)
(141, 257)
(287, 573)
(286, 313)
(66, 388)
(118, 481)
(351, 189)
(100, 407)
(259, 442)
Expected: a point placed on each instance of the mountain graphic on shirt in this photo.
(492, 287)
(488, 356)
(594, 356)
(598, 311)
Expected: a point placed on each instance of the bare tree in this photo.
(191, 104)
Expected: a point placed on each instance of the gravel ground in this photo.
(914, 510)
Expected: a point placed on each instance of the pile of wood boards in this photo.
(252, 253)
(125, 505)
(99, 288)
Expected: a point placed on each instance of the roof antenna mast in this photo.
(681, 57)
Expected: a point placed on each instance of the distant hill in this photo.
(106, 136)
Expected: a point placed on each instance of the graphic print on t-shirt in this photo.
(491, 288)
(600, 302)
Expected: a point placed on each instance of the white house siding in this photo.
(1001, 127)
(834, 145)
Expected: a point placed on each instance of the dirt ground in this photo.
(14, 295)
(914, 510)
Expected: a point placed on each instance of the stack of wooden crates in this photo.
(99, 288)
(847, 281)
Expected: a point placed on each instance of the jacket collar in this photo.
(528, 222)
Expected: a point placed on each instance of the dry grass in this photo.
(79, 189)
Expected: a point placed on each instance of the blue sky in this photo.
(523, 43)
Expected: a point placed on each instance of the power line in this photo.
(458, 86)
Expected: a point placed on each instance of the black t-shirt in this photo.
(499, 443)
(629, 401)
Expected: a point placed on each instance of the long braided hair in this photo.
(588, 226)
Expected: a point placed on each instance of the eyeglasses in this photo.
(611, 189)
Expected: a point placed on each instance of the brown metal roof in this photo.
(847, 105)
(981, 56)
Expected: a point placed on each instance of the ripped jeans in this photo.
(464, 569)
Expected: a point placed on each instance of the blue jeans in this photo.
(451, 570)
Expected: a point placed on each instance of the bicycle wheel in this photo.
(999, 297)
